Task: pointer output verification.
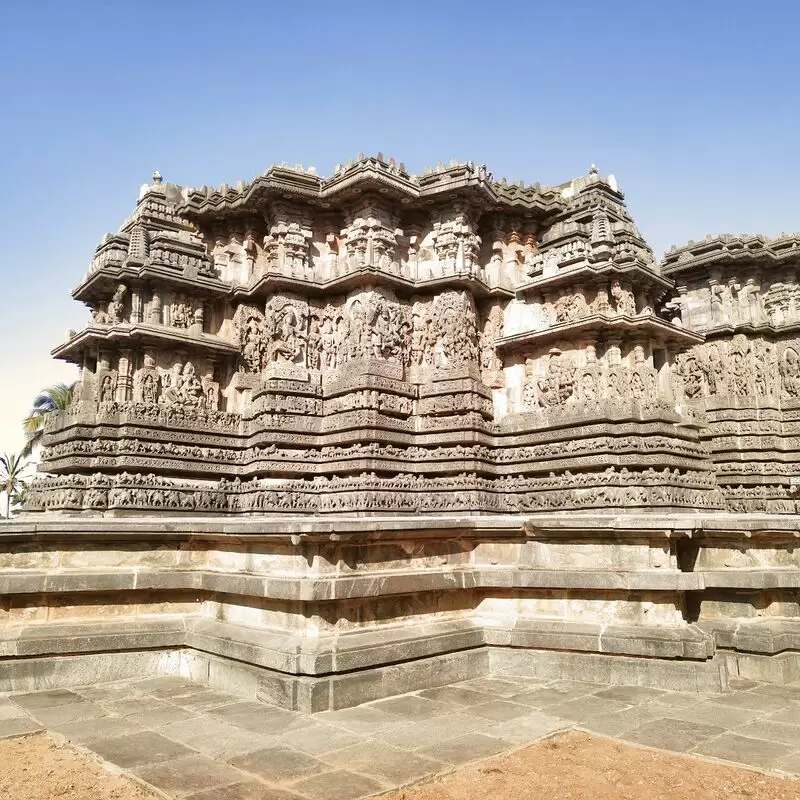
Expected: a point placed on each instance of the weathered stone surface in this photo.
(338, 439)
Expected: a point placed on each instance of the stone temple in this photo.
(340, 438)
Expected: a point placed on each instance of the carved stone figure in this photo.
(181, 315)
(558, 385)
(624, 302)
(790, 372)
(107, 390)
(116, 307)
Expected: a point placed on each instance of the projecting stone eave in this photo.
(140, 333)
(726, 249)
(648, 325)
(102, 282)
(274, 281)
(460, 182)
(642, 275)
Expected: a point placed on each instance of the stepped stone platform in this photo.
(317, 614)
(340, 438)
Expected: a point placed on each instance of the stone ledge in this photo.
(379, 528)
(292, 653)
(318, 587)
(766, 636)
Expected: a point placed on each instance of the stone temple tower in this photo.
(337, 438)
(377, 341)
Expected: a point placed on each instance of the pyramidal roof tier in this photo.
(725, 249)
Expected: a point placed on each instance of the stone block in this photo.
(671, 734)
(337, 785)
(137, 749)
(470, 747)
(190, 774)
(278, 764)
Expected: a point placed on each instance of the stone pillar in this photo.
(103, 361)
(613, 349)
(136, 306)
(683, 294)
(154, 317)
(124, 376)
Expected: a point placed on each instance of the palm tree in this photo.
(12, 467)
(54, 398)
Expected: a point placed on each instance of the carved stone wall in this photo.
(369, 338)
(741, 293)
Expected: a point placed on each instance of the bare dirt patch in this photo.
(36, 768)
(576, 766)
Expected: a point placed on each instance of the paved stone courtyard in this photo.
(193, 742)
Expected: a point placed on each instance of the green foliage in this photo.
(12, 479)
(54, 398)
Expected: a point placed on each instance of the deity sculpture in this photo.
(624, 302)
(558, 385)
(116, 306)
(789, 370)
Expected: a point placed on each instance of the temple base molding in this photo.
(319, 613)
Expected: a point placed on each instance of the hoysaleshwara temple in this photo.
(335, 439)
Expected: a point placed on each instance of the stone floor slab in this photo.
(791, 764)
(9, 711)
(712, 713)
(415, 735)
(787, 693)
(162, 682)
(499, 687)
(181, 776)
(684, 699)
(18, 726)
(498, 710)
(752, 700)
(384, 763)
(139, 704)
(119, 690)
(456, 695)
(363, 720)
(586, 707)
(753, 752)
(338, 785)
(779, 732)
(246, 790)
(278, 764)
(47, 699)
(260, 718)
(626, 720)
(547, 696)
(137, 749)
(630, 694)
(790, 716)
(741, 683)
(71, 712)
(463, 749)
(159, 717)
(216, 739)
(528, 729)
(412, 706)
(205, 701)
(672, 734)
(317, 738)
(87, 730)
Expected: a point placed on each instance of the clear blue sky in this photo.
(692, 105)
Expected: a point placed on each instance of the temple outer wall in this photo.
(326, 613)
